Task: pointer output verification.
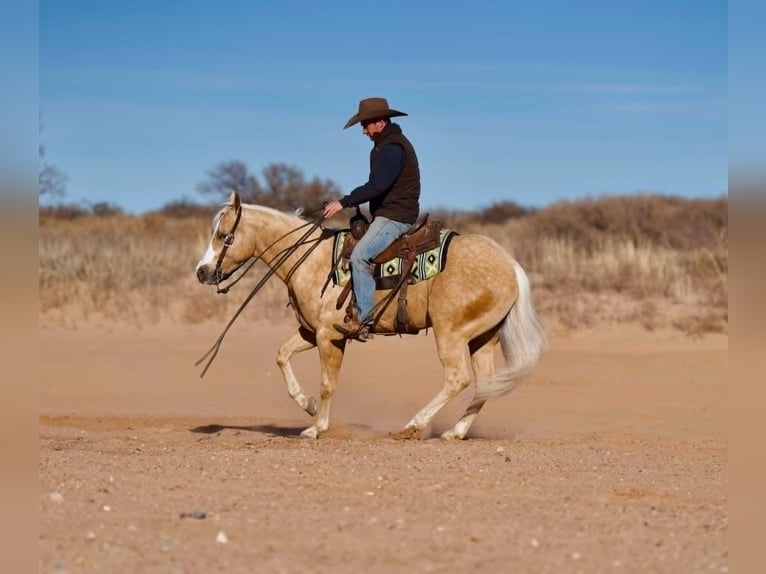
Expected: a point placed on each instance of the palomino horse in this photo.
(482, 297)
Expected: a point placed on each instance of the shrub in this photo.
(651, 252)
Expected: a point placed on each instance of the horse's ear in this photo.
(234, 199)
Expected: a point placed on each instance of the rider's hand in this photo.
(332, 208)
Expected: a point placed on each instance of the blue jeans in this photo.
(381, 234)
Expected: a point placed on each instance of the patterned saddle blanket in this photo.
(427, 264)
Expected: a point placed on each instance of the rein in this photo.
(274, 263)
(229, 240)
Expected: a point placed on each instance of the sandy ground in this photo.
(611, 457)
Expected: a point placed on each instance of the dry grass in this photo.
(651, 260)
(139, 269)
(654, 260)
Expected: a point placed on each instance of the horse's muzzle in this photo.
(207, 276)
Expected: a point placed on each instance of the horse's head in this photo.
(226, 252)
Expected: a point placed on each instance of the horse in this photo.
(481, 298)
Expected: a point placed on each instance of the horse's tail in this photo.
(522, 340)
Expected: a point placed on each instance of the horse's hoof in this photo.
(310, 432)
(311, 406)
(451, 434)
(407, 433)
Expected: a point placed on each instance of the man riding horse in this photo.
(393, 192)
(469, 316)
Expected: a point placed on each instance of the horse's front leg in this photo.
(303, 340)
(330, 357)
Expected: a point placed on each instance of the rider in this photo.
(393, 190)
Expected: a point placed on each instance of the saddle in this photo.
(423, 236)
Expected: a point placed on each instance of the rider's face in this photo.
(372, 127)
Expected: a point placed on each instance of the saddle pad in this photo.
(427, 264)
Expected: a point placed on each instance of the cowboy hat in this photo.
(372, 109)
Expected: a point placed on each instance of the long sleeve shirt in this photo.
(387, 167)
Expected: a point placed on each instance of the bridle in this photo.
(274, 263)
(228, 241)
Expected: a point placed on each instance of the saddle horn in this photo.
(359, 224)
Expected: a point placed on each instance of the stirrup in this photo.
(360, 333)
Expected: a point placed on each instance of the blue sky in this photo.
(526, 101)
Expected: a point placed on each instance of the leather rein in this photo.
(274, 263)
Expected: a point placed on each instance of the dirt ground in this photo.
(611, 457)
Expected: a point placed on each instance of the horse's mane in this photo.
(266, 209)
(254, 207)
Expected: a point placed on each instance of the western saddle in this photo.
(423, 236)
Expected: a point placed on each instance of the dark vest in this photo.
(401, 202)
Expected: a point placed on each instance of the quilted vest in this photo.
(402, 201)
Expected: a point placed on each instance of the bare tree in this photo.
(51, 181)
(228, 176)
(285, 186)
(288, 188)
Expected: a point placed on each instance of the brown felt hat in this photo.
(372, 109)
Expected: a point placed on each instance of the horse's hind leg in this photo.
(300, 341)
(483, 362)
(453, 355)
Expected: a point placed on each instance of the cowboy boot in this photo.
(355, 330)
